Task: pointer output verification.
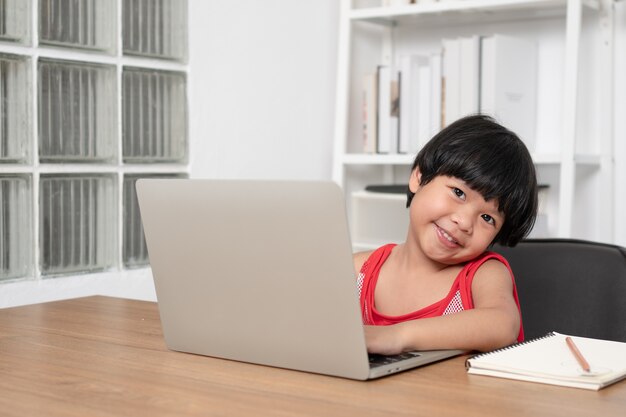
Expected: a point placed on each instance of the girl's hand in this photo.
(384, 340)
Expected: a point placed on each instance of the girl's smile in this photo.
(446, 238)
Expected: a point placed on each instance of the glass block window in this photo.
(155, 28)
(14, 15)
(76, 112)
(78, 23)
(92, 102)
(14, 108)
(15, 226)
(154, 116)
(135, 252)
(76, 214)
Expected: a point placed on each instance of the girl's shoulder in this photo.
(380, 254)
(491, 270)
(488, 258)
(359, 259)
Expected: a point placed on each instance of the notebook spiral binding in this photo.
(513, 346)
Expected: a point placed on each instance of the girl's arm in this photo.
(493, 323)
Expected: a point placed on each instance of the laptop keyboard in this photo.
(380, 360)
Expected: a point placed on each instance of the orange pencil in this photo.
(579, 356)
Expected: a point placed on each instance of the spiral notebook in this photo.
(548, 360)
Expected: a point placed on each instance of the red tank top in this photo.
(459, 297)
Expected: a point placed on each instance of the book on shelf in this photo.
(462, 66)
(494, 75)
(370, 108)
(435, 93)
(422, 129)
(406, 104)
(451, 94)
(385, 142)
(508, 86)
(549, 360)
(404, 127)
(380, 111)
(414, 89)
(394, 113)
(420, 100)
(469, 82)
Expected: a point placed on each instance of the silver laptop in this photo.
(260, 272)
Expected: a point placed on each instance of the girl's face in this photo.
(449, 221)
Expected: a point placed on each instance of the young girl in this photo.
(472, 185)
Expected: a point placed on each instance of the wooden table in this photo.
(101, 356)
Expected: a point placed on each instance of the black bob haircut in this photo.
(493, 161)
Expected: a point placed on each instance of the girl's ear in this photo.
(415, 179)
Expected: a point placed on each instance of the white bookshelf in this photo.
(574, 142)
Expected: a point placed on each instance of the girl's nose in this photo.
(463, 219)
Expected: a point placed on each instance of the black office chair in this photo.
(570, 286)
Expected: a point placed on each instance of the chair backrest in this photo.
(570, 286)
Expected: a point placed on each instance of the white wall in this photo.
(620, 123)
(262, 83)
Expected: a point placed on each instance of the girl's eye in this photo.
(488, 219)
(458, 192)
